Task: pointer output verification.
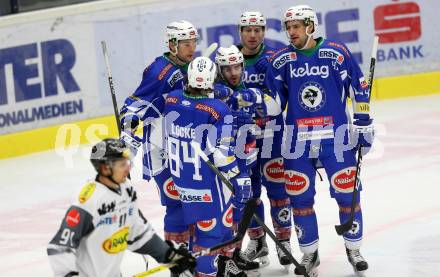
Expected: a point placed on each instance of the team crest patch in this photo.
(300, 234)
(311, 96)
(355, 228)
(283, 215)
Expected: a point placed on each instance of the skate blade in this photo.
(263, 261)
(253, 273)
(286, 268)
(312, 273)
(359, 273)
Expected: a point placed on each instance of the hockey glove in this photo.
(242, 190)
(246, 100)
(184, 260)
(262, 64)
(129, 122)
(363, 134)
(222, 92)
(241, 118)
(132, 141)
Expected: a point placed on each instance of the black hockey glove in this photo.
(179, 255)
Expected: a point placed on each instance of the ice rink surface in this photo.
(400, 201)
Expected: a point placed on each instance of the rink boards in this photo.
(52, 71)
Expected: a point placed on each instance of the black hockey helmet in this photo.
(107, 151)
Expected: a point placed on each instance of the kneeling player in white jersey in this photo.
(104, 221)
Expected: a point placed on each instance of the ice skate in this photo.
(357, 261)
(226, 267)
(310, 262)
(282, 257)
(257, 249)
(250, 267)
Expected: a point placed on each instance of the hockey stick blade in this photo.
(248, 212)
(211, 49)
(341, 229)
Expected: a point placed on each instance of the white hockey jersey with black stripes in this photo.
(97, 228)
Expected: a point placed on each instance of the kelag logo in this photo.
(56, 58)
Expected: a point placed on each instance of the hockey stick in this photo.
(196, 147)
(111, 85)
(115, 106)
(211, 48)
(346, 226)
(248, 212)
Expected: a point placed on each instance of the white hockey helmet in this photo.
(228, 56)
(202, 73)
(251, 19)
(181, 30)
(301, 12)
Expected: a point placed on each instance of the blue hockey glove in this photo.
(246, 100)
(242, 190)
(241, 118)
(222, 92)
(363, 134)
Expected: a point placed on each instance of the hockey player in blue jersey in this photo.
(269, 167)
(313, 77)
(165, 74)
(191, 116)
(243, 104)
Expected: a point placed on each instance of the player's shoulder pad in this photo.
(160, 69)
(86, 192)
(269, 51)
(336, 47)
(282, 56)
(86, 197)
(215, 107)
